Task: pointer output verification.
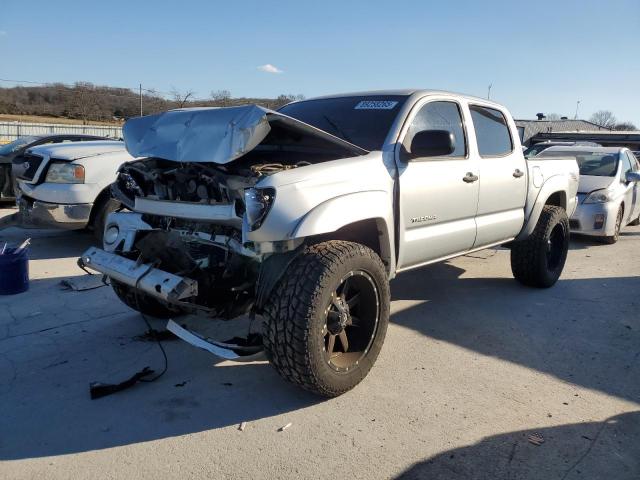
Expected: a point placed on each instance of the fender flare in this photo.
(552, 185)
(338, 212)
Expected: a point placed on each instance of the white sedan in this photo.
(608, 194)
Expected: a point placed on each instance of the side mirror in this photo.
(432, 143)
(632, 177)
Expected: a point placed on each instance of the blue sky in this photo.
(540, 56)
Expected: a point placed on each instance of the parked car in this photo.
(305, 214)
(539, 147)
(68, 186)
(11, 154)
(608, 192)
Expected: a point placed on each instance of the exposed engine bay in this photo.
(191, 195)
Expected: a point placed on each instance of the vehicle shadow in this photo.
(50, 350)
(48, 360)
(567, 331)
(608, 449)
(50, 244)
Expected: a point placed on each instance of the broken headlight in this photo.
(257, 203)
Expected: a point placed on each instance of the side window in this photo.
(440, 116)
(626, 166)
(634, 162)
(492, 131)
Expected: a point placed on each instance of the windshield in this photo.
(597, 164)
(362, 120)
(16, 145)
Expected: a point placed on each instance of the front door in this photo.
(438, 195)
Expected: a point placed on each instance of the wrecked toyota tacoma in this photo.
(302, 216)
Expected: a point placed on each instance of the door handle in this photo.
(470, 178)
(518, 173)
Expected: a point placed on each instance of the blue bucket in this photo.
(14, 272)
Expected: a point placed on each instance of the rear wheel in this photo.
(539, 260)
(325, 322)
(610, 240)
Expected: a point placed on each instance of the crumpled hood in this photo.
(589, 183)
(218, 135)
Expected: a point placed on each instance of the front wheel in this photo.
(538, 261)
(326, 320)
(610, 240)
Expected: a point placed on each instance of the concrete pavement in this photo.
(473, 364)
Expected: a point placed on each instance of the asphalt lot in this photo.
(473, 365)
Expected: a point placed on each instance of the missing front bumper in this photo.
(144, 277)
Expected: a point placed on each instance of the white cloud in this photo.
(268, 68)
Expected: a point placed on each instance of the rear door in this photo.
(437, 205)
(503, 176)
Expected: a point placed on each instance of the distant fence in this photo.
(9, 131)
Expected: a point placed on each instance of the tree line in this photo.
(85, 101)
(603, 118)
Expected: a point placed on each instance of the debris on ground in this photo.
(242, 426)
(181, 384)
(282, 429)
(536, 438)
(83, 282)
(153, 335)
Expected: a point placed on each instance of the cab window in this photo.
(492, 131)
(440, 116)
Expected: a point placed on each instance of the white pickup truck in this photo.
(303, 216)
(67, 185)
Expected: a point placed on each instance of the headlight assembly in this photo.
(599, 196)
(257, 203)
(65, 173)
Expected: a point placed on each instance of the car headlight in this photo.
(65, 173)
(599, 196)
(257, 203)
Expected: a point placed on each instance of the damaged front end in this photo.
(194, 198)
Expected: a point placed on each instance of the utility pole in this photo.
(489, 91)
(140, 99)
(575, 117)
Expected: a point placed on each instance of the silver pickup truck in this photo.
(303, 215)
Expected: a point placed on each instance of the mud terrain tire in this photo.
(538, 261)
(302, 315)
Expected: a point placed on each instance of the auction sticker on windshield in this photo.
(375, 105)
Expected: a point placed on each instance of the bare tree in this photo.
(625, 126)
(604, 118)
(221, 97)
(181, 98)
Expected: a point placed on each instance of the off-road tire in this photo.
(611, 239)
(530, 258)
(295, 314)
(102, 209)
(143, 303)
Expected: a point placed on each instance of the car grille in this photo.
(30, 164)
